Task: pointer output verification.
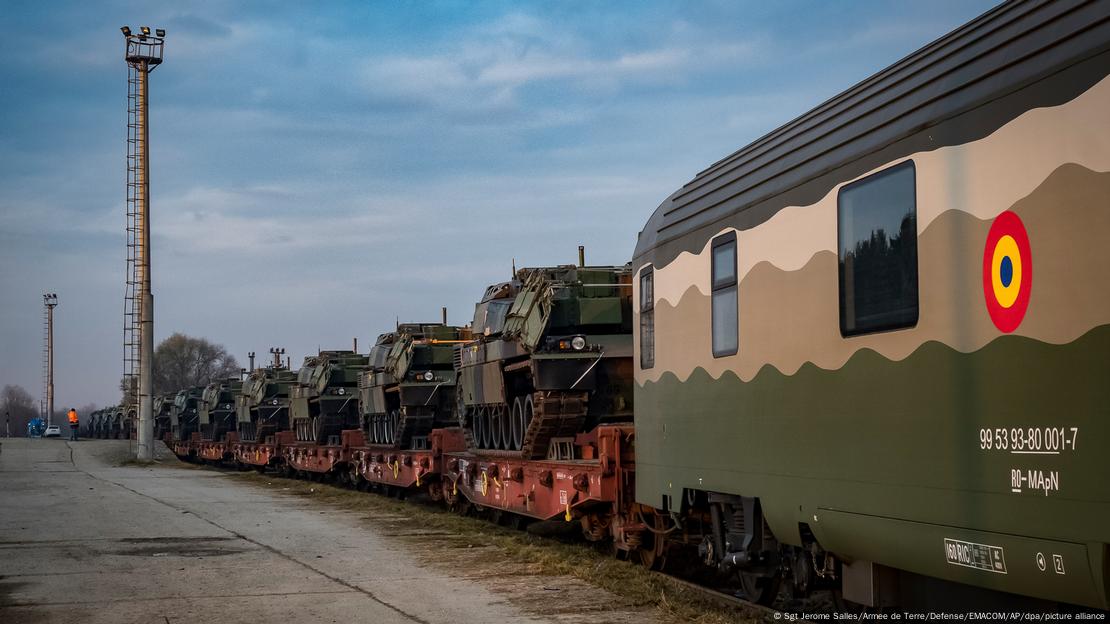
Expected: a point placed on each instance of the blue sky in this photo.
(322, 169)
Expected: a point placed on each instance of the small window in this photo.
(877, 245)
(647, 318)
(726, 318)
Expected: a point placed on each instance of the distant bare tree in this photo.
(19, 406)
(182, 361)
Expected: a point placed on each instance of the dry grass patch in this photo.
(486, 550)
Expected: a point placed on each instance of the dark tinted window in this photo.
(725, 323)
(489, 317)
(647, 318)
(877, 240)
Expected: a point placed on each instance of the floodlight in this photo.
(161, 32)
(145, 30)
(126, 30)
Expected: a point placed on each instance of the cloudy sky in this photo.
(322, 169)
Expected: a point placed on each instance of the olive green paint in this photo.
(894, 448)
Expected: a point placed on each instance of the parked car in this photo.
(53, 431)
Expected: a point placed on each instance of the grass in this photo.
(498, 546)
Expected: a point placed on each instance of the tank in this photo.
(410, 386)
(183, 415)
(88, 423)
(113, 426)
(551, 357)
(262, 407)
(216, 408)
(163, 403)
(128, 421)
(324, 400)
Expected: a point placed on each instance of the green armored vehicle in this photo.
(216, 408)
(410, 387)
(92, 423)
(262, 407)
(163, 403)
(183, 415)
(113, 424)
(551, 357)
(324, 400)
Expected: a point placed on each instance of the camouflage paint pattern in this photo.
(886, 444)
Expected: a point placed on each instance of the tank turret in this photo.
(551, 357)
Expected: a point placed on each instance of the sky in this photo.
(320, 170)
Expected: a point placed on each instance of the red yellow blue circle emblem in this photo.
(1007, 271)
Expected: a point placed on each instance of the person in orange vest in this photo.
(72, 424)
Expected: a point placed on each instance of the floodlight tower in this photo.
(143, 53)
(49, 302)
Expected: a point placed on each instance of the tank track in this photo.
(555, 414)
(413, 421)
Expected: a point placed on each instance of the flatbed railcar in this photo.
(869, 350)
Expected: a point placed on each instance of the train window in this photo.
(877, 246)
(647, 318)
(725, 312)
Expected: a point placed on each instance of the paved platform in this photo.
(84, 539)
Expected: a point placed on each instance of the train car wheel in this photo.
(760, 589)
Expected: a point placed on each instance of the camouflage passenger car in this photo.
(872, 346)
(551, 357)
(324, 400)
(262, 406)
(410, 385)
(216, 408)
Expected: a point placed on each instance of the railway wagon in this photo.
(873, 345)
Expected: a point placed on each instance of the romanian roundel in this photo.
(1007, 271)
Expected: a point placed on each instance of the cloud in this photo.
(486, 68)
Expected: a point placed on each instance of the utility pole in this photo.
(277, 352)
(50, 301)
(143, 53)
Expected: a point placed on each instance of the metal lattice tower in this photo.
(143, 53)
(136, 195)
(49, 302)
(45, 361)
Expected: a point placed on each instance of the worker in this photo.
(73, 424)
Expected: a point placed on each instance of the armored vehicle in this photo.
(262, 407)
(183, 415)
(91, 423)
(551, 357)
(324, 400)
(163, 403)
(128, 421)
(112, 425)
(216, 408)
(410, 387)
